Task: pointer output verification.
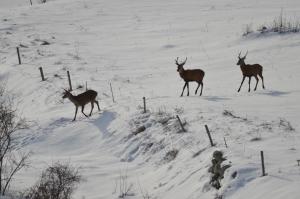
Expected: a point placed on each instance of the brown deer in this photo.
(190, 76)
(81, 100)
(249, 70)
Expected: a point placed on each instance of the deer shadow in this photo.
(103, 122)
(215, 98)
(275, 93)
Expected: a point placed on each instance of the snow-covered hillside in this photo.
(133, 44)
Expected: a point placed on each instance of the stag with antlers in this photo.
(82, 99)
(190, 76)
(249, 70)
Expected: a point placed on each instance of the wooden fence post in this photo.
(112, 93)
(262, 163)
(209, 136)
(183, 129)
(42, 74)
(144, 99)
(70, 83)
(19, 57)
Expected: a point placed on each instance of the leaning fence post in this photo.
(70, 83)
(209, 136)
(19, 57)
(183, 129)
(262, 163)
(42, 74)
(112, 93)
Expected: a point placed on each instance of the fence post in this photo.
(19, 57)
(70, 83)
(42, 74)
(183, 129)
(30, 2)
(144, 99)
(209, 136)
(262, 163)
(298, 162)
(86, 86)
(112, 93)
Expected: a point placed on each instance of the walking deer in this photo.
(249, 70)
(190, 76)
(82, 99)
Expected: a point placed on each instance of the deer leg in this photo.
(242, 83)
(82, 108)
(262, 79)
(92, 107)
(183, 88)
(97, 104)
(256, 82)
(188, 88)
(197, 88)
(201, 88)
(76, 109)
(249, 83)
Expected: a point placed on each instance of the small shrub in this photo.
(57, 181)
(255, 139)
(279, 25)
(230, 114)
(57, 76)
(217, 169)
(125, 188)
(286, 125)
(171, 155)
(247, 29)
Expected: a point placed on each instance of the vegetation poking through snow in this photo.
(11, 159)
(57, 181)
(280, 25)
(231, 114)
(123, 185)
(171, 155)
(217, 169)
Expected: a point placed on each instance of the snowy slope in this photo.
(132, 44)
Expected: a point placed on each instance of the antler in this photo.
(240, 54)
(245, 55)
(176, 61)
(184, 61)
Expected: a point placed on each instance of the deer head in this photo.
(180, 65)
(66, 93)
(241, 59)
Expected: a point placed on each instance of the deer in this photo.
(249, 70)
(82, 99)
(195, 75)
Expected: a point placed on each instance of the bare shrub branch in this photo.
(10, 162)
(57, 181)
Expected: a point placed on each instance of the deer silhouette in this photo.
(249, 70)
(190, 76)
(82, 99)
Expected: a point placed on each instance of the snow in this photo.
(133, 44)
